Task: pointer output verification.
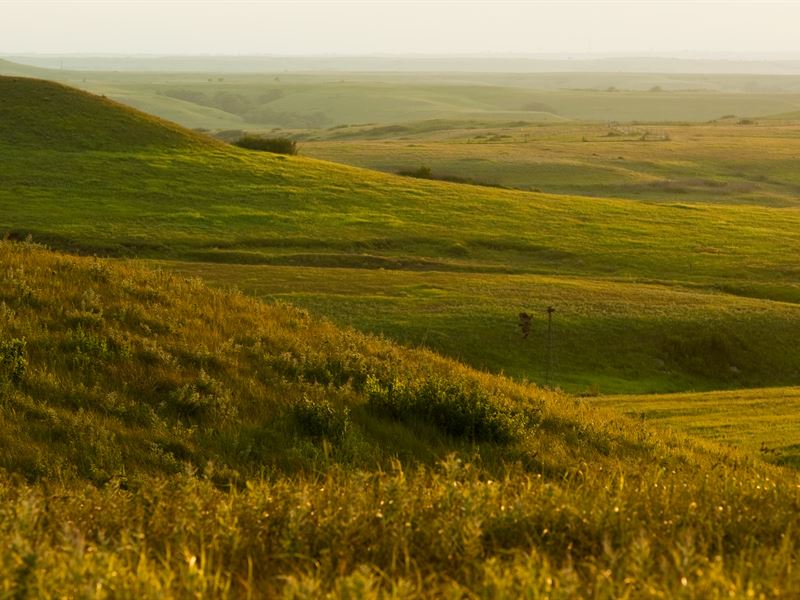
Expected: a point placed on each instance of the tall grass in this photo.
(168, 440)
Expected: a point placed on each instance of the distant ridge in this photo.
(39, 113)
(13, 69)
(422, 63)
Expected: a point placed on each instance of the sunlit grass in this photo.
(761, 421)
(152, 447)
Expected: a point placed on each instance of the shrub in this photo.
(422, 172)
(279, 145)
(456, 408)
(12, 360)
(425, 172)
(205, 398)
(320, 419)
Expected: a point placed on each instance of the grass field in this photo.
(308, 99)
(760, 421)
(160, 437)
(726, 162)
(228, 211)
(610, 336)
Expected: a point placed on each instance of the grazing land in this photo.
(762, 421)
(375, 429)
(652, 297)
(302, 99)
(730, 161)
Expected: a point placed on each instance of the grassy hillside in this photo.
(177, 196)
(47, 115)
(760, 421)
(163, 439)
(620, 335)
(732, 161)
(112, 372)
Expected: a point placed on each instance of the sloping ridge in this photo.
(14, 69)
(135, 357)
(137, 380)
(48, 115)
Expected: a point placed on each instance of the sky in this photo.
(331, 27)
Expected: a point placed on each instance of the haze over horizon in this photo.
(349, 28)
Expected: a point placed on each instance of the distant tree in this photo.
(279, 145)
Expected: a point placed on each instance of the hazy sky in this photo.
(383, 26)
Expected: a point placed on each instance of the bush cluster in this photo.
(425, 172)
(279, 145)
(12, 360)
(203, 399)
(455, 407)
(320, 419)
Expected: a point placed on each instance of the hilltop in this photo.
(242, 448)
(41, 114)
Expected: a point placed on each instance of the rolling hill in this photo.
(410, 258)
(728, 161)
(161, 439)
(43, 114)
(219, 97)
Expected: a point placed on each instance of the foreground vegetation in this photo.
(163, 439)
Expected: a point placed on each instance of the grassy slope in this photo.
(169, 194)
(129, 373)
(723, 162)
(762, 420)
(158, 388)
(609, 335)
(40, 114)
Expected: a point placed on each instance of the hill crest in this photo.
(42, 114)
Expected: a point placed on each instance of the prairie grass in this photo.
(759, 421)
(152, 447)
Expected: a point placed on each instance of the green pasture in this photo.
(760, 421)
(608, 335)
(161, 437)
(444, 265)
(727, 162)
